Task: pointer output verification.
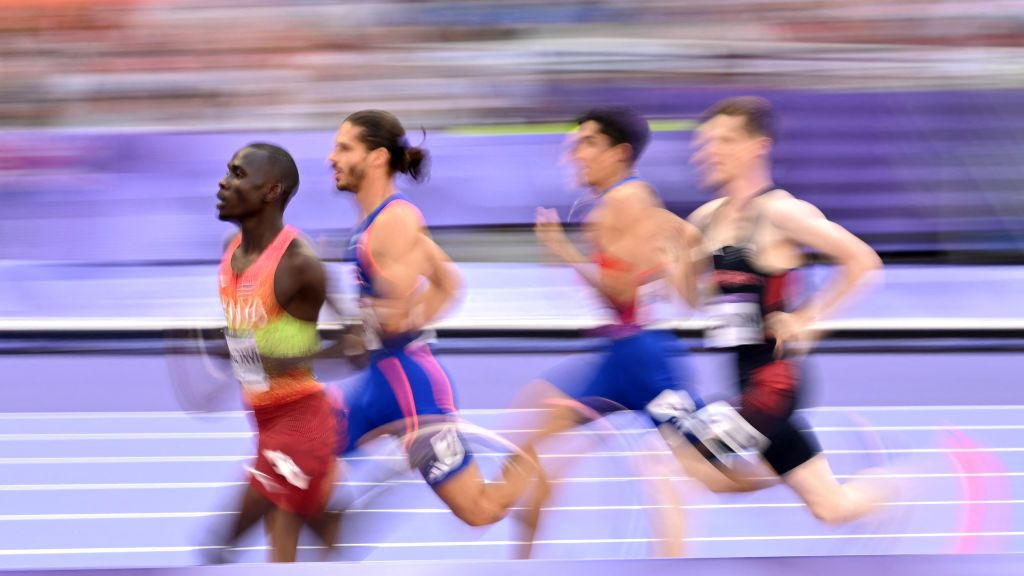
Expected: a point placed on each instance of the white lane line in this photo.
(641, 540)
(918, 428)
(914, 408)
(594, 508)
(599, 480)
(925, 428)
(122, 459)
(853, 536)
(46, 437)
(172, 414)
(623, 454)
(116, 486)
(610, 454)
(164, 549)
(613, 507)
(109, 516)
(73, 551)
(70, 487)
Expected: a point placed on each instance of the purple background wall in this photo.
(905, 170)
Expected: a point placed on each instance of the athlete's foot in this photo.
(326, 527)
(670, 549)
(873, 494)
(527, 517)
(524, 536)
(878, 486)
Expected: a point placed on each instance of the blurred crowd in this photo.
(294, 64)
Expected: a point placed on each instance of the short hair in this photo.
(621, 126)
(283, 165)
(758, 114)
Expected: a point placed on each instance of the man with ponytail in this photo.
(405, 282)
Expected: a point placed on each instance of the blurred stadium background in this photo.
(902, 119)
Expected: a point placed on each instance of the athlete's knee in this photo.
(483, 518)
(564, 412)
(753, 484)
(828, 512)
(536, 393)
(720, 485)
(834, 507)
(479, 512)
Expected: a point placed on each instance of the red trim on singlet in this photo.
(625, 309)
(607, 262)
(774, 292)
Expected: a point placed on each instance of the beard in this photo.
(353, 180)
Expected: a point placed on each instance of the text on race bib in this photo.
(247, 363)
(734, 323)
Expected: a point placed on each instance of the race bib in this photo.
(671, 406)
(247, 363)
(734, 323)
(371, 325)
(724, 432)
(448, 454)
(651, 300)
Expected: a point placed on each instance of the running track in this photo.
(101, 469)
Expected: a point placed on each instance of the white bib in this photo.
(371, 326)
(448, 452)
(653, 301)
(353, 300)
(247, 363)
(725, 433)
(734, 324)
